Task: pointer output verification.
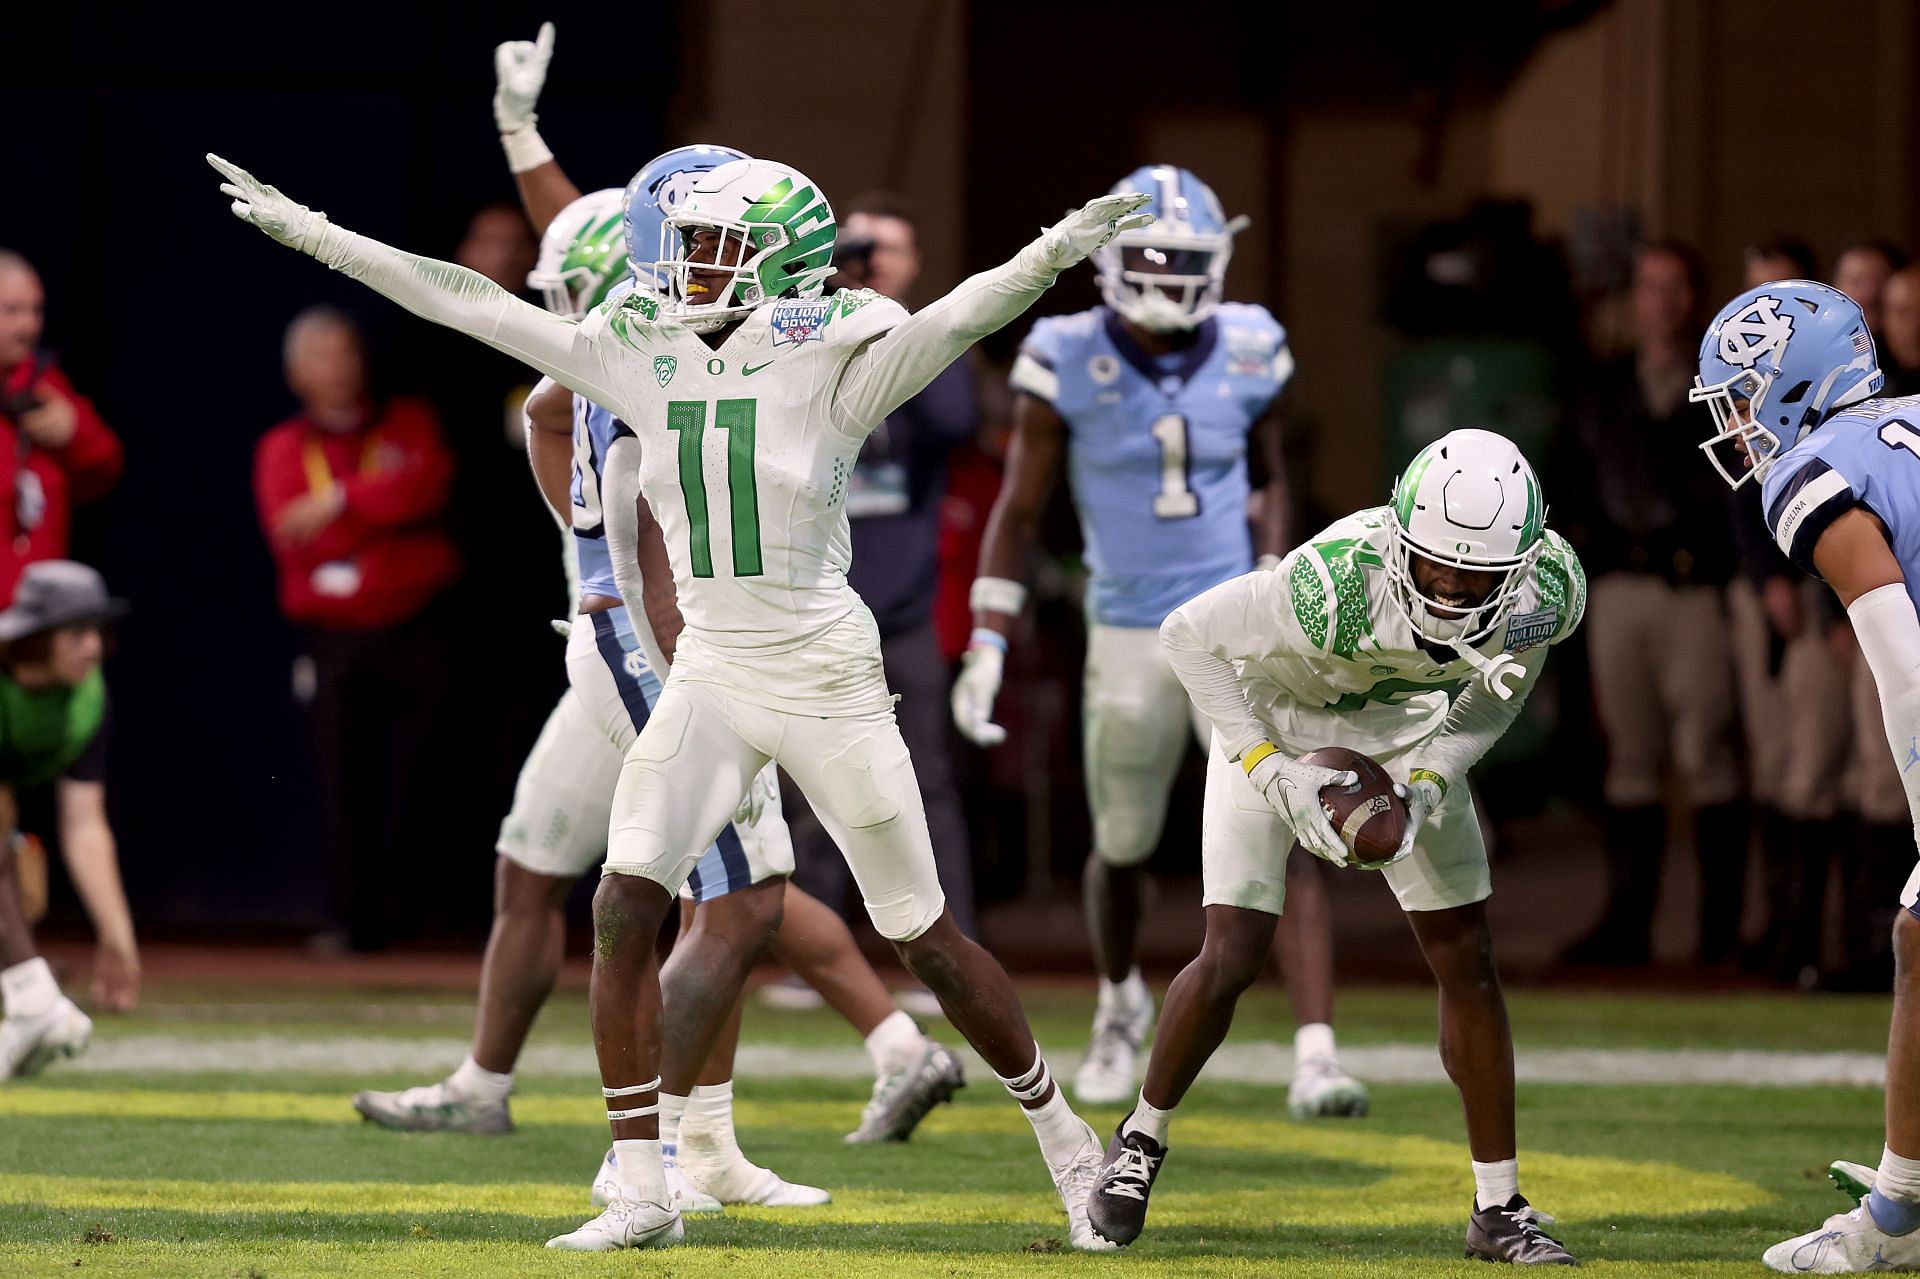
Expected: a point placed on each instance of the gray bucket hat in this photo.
(56, 593)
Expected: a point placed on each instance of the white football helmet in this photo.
(775, 240)
(1168, 277)
(1469, 500)
(583, 254)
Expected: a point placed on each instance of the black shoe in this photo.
(1512, 1233)
(1118, 1206)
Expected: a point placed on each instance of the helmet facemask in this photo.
(729, 288)
(1165, 284)
(1740, 448)
(725, 253)
(1453, 622)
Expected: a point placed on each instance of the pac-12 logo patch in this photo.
(1757, 331)
(1528, 630)
(797, 322)
(664, 367)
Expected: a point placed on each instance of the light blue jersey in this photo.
(593, 430)
(1157, 449)
(1867, 455)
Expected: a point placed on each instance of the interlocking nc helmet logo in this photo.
(664, 367)
(1758, 331)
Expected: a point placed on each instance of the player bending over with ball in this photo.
(1412, 633)
(1789, 373)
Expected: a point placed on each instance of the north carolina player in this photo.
(1153, 399)
(747, 396)
(1788, 370)
(1413, 633)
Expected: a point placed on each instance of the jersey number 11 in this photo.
(688, 418)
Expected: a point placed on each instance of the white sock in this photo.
(1149, 1119)
(894, 1044)
(671, 1110)
(1117, 997)
(1899, 1177)
(1062, 1134)
(27, 989)
(477, 1082)
(707, 1125)
(642, 1177)
(1315, 1039)
(1495, 1183)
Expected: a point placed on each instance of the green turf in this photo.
(238, 1174)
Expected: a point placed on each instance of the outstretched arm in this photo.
(520, 72)
(895, 367)
(437, 291)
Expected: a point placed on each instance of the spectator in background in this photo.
(54, 449)
(893, 501)
(351, 494)
(500, 245)
(1654, 529)
(1899, 331)
(53, 733)
(1861, 273)
(1794, 702)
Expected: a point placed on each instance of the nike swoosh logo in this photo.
(748, 370)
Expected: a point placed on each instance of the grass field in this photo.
(210, 1135)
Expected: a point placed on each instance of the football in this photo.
(1370, 818)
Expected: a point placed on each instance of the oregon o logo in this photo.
(716, 366)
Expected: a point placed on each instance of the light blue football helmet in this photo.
(1776, 362)
(1168, 276)
(654, 192)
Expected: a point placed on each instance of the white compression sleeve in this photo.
(1889, 633)
(468, 301)
(1202, 638)
(619, 509)
(1477, 719)
(897, 366)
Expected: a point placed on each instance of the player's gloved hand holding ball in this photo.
(1293, 788)
(1421, 793)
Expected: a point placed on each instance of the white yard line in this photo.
(1248, 1063)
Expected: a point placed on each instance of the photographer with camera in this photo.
(893, 502)
(54, 449)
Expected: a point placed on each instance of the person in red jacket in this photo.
(351, 494)
(54, 449)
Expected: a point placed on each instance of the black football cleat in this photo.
(1511, 1232)
(1117, 1208)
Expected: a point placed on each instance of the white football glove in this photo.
(1293, 788)
(520, 72)
(291, 223)
(973, 693)
(1077, 235)
(1421, 798)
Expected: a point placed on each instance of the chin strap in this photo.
(1499, 674)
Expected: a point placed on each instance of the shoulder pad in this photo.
(1256, 342)
(852, 317)
(1562, 583)
(1036, 370)
(1801, 506)
(630, 317)
(1342, 553)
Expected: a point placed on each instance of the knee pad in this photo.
(862, 784)
(906, 917)
(1127, 838)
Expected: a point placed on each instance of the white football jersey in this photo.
(1321, 629)
(745, 452)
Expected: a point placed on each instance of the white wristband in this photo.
(525, 149)
(997, 595)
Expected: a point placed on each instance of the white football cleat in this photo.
(1847, 1243)
(1107, 1076)
(1320, 1087)
(29, 1044)
(730, 1179)
(624, 1223)
(901, 1100)
(606, 1186)
(1074, 1182)
(434, 1108)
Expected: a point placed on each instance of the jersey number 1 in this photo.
(1176, 499)
(736, 418)
(1899, 435)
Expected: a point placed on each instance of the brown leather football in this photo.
(1370, 818)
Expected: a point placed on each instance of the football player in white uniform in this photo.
(746, 396)
(1150, 403)
(1413, 633)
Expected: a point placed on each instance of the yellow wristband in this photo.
(1428, 775)
(1258, 753)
